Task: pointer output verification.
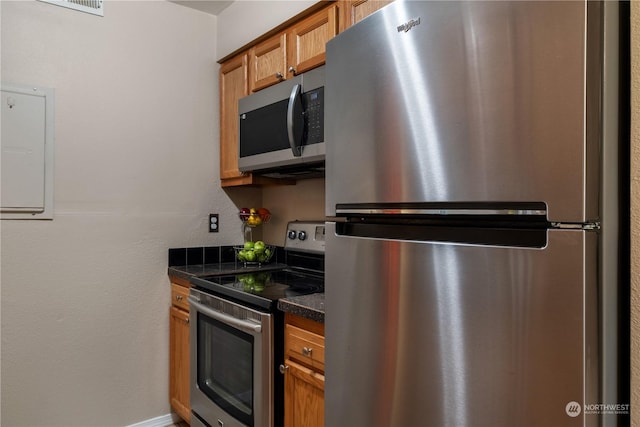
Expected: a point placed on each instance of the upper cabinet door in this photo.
(267, 62)
(233, 86)
(353, 12)
(307, 40)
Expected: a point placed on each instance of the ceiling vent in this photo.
(95, 7)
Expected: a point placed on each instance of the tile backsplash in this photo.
(211, 255)
(201, 255)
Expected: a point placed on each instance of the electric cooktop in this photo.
(302, 274)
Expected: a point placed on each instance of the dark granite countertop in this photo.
(308, 306)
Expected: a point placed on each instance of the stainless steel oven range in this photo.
(237, 334)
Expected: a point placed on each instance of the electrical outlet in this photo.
(214, 223)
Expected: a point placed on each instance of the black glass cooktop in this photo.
(262, 289)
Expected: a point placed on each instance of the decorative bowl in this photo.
(250, 255)
(254, 217)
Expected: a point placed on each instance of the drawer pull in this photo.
(283, 369)
(307, 351)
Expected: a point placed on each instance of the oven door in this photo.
(231, 360)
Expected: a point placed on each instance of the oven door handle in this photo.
(248, 327)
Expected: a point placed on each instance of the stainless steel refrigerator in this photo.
(472, 182)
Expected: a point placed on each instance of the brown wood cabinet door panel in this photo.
(179, 362)
(304, 396)
(355, 11)
(179, 296)
(233, 86)
(305, 347)
(307, 39)
(268, 62)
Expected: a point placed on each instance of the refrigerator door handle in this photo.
(492, 236)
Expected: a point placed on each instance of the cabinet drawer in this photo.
(304, 346)
(179, 296)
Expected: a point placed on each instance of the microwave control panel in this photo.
(314, 115)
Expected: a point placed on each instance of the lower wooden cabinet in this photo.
(303, 369)
(303, 396)
(179, 391)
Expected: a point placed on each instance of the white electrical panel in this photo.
(26, 182)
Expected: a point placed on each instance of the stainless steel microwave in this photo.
(281, 128)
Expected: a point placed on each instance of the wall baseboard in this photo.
(161, 421)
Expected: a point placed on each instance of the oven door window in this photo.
(225, 367)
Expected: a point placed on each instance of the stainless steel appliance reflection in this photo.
(281, 128)
(472, 267)
(232, 357)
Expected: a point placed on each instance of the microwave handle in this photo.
(295, 120)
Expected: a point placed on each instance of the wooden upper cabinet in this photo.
(306, 40)
(355, 11)
(294, 50)
(233, 86)
(268, 62)
(294, 47)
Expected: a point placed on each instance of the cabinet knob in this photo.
(292, 70)
(307, 351)
(186, 320)
(283, 368)
(178, 297)
(279, 75)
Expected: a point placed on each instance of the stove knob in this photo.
(291, 234)
(302, 235)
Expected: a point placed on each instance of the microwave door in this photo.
(295, 120)
(281, 128)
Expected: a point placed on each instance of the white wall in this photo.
(85, 297)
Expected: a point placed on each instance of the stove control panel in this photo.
(305, 236)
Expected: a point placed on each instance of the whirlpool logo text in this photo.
(408, 25)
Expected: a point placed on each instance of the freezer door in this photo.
(432, 334)
(445, 101)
